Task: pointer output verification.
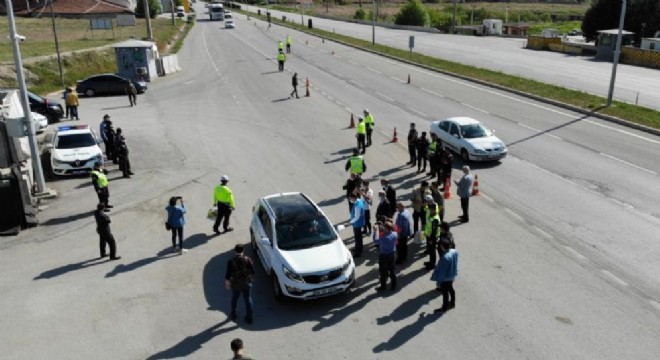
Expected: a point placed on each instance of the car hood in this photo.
(76, 154)
(316, 259)
(488, 142)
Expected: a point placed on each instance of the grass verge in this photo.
(636, 114)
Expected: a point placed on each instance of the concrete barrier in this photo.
(168, 64)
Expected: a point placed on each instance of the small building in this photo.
(492, 27)
(516, 29)
(136, 59)
(650, 44)
(606, 43)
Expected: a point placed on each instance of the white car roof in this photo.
(463, 120)
(73, 129)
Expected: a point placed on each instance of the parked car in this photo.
(74, 150)
(470, 139)
(41, 121)
(107, 84)
(51, 109)
(180, 11)
(299, 248)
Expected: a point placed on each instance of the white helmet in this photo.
(224, 178)
(366, 111)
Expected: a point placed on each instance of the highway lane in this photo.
(227, 113)
(508, 55)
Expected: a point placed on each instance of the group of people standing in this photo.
(421, 150)
(115, 146)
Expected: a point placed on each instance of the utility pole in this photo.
(302, 20)
(373, 22)
(57, 45)
(147, 17)
(172, 6)
(20, 76)
(453, 20)
(617, 52)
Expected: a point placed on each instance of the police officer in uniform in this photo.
(280, 59)
(361, 135)
(432, 233)
(369, 122)
(356, 164)
(288, 44)
(434, 156)
(100, 182)
(105, 235)
(412, 146)
(223, 198)
(121, 149)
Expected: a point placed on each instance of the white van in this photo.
(180, 11)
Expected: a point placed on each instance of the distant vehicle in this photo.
(216, 12)
(180, 11)
(299, 248)
(74, 151)
(51, 109)
(470, 139)
(107, 84)
(40, 120)
(228, 16)
(575, 32)
(229, 24)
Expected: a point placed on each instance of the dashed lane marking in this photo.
(374, 70)
(575, 253)
(475, 108)
(208, 53)
(512, 213)
(543, 232)
(432, 92)
(358, 84)
(615, 278)
(384, 96)
(629, 163)
(487, 197)
(417, 112)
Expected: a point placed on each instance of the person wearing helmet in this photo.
(223, 198)
(369, 122)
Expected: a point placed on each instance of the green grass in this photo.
(636, 114)
(563, 27)
(182, 36)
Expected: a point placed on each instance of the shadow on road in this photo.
(68, 268)
(68, 219)
(193, 343)
(116, 107)
(332, 202)
(122, 268)
(196, 240)
(407, 332)
(281, 99)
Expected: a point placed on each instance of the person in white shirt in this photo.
(367, 195)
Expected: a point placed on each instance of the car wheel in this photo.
(90, 92)
(464, 156)
(277, 290)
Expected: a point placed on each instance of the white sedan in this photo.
(41, 122)
(229, 24)
(470, 139)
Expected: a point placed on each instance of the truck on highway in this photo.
(216, 12)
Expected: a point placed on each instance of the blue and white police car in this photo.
(75, 149)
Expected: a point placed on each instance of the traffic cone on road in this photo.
(352, 125)
(408, 78)
(395, 138)
(307, 87)
(447, 194)
(475, 187)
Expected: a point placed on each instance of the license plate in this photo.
(78, 172)
(326, 291)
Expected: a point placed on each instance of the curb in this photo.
(560, 104)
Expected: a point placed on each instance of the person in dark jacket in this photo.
(422, 144)
(176, 220)
(444, 275)
(445, 236)
(238, 279)
(446, 163)
(294, 83)
(105, 235)
(121, 149)
(131, 91)
(387, 254)
(404, 227)
(412, 146)
(390, 193)
(383, 209)
(107, 135)
(352, 184)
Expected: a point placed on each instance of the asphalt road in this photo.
(508, 55)
(559, 260)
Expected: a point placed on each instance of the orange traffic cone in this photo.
(408, 78)
(447, 194)
(475, 188)
(352, 125)
(395, 138)
(307, 87)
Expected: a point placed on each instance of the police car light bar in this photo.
(72, 127)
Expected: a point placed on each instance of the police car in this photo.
(74, 150)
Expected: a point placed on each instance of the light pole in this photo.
(302, 20)
(57, 45)
(453, 19)
(147, 17)
(172, 6)
(373, 22)
(20, 76)
(617, 52)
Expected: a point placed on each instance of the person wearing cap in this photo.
(446, 164)
(417, 199)
(369, 122)
(288, 43)
(432, 233)
(445, 274)
(100, 183)
(72, 102)
(281, 58)
(107, 135)
(105, 235)
(356, 164)
(223, 198)
(357, 221)
(412, 146)
(438, 198)
(121, 149)
(361, 135)
(422, 152)
(434, 156)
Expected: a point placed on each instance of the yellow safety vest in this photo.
(429, 226)
(361, 128)
(280, 46)
(288, 40)
(224, 195)
(433, 146)
(357, 164)
(101, 179)
(281, 57)
(369, 120)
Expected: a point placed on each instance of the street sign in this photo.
(411, 42)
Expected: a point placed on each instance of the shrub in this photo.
(413, 13)
(360, 14)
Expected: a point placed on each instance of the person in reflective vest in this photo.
(100, 183)
(280, 60)
(434, 156)
(369, 122)
(288, 44)
(356, 164)
(223, 198)
(280, 46)
(361, 135)
(432, 233)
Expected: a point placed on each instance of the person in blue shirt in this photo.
(444, 275)
(357, 221)
(176, 221)
(387, 249)
(404, 227)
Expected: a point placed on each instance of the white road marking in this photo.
(397, 79)
(512, 213)
(330, 98)
(384, 96)
(575, 253)
(352, 62)
(630, 164)
(188, 82)
(432, 92)
(359, 84)
(475, 108)
(655, 304)
(374, 70)
(623, 132)
(615, 278)
(417, 112)
(539, 131)
(206, 47)
(487, 197)
(543, 232)
(554, 136)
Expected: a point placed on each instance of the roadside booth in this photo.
(136, 59)
(606, 43)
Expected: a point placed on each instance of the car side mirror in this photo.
(340, 228)
(264, 241)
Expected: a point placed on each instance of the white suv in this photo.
(299, 248)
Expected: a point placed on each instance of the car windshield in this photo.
(74, 141)
(472, 131)
(305, 233)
